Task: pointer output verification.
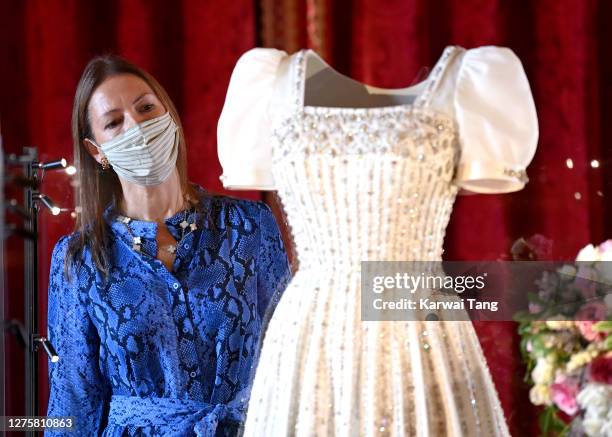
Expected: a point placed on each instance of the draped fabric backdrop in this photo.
(192, 46)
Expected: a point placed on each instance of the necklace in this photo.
(170, 248)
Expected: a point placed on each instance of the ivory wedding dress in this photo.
(369, 182)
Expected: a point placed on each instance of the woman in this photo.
(159, 298)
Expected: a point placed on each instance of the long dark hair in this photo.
(94, 187)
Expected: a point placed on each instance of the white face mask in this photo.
(144, 154)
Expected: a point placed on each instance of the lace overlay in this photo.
(366, 184)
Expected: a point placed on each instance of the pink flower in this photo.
(605, 246)
(541, 245)
(586, 329)
(594, 311)
(536, 247)
(587, 316)
(534, 308)
(563, 392)
(600, 369)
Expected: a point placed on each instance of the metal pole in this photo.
(31, 289)
(2, 296)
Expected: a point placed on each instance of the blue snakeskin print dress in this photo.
(154, 352)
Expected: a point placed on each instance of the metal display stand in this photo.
(27, 334)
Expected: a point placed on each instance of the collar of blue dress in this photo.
(147, 229)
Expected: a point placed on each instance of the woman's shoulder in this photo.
(64, 242)
(67, 246)
(70, 245)
(223, 205)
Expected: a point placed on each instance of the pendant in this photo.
(171, 248)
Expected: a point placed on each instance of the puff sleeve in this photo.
(243, 130)
(77, 386)
(497, 121)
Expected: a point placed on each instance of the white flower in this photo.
(592, 426)
(605, 248)
(539, 394)
(603, 255)
(567, 270)
(606, 427)
(588, 253)
(596, 400)
(604, 269)
(544, 371)
(580, 359)
(559, 322)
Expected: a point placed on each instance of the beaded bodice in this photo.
(366, 183)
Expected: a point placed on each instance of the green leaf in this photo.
(550, 423)
(537, 345)
(522, 316)
(525, 328)
(528, 370)
(603, 326)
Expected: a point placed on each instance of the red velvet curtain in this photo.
(192, 46)
(189, 46)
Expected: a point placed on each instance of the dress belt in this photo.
(174, 412)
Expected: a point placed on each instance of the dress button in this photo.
(193, 374)
(186, 245)
(175, 285)
(185, 330)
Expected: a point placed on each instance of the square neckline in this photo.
(419, 100)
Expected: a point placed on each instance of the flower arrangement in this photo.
(568, 348)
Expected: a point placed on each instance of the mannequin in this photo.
(327, 87)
